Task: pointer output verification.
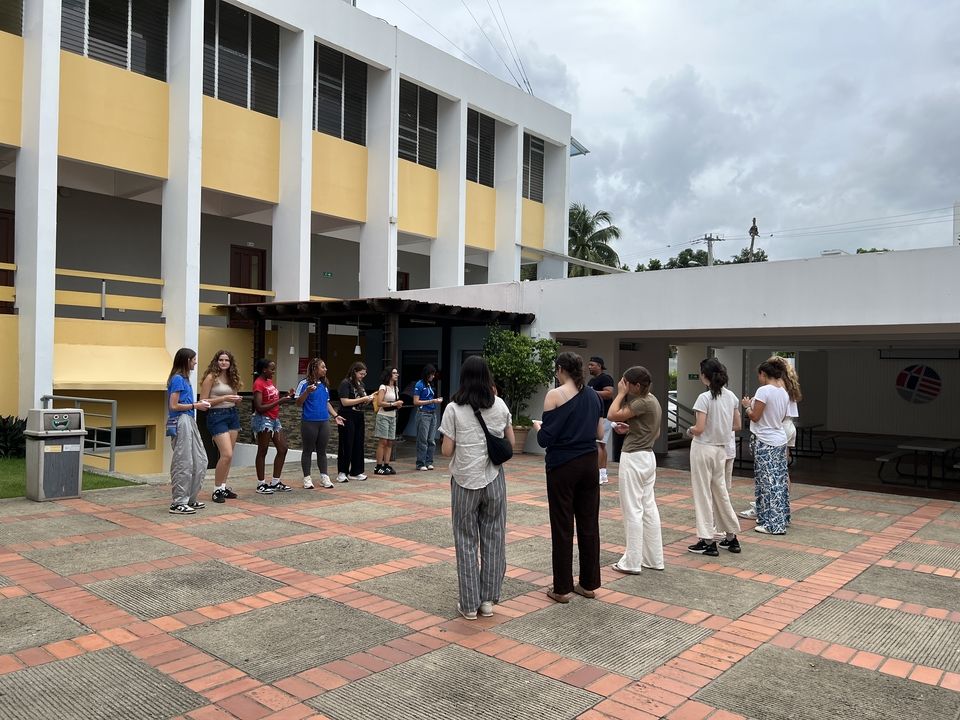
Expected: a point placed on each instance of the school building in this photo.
(161, 159)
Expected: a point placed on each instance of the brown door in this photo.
(6, 255)
(248, 269)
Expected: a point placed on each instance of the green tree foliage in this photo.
(640, 268)
(589, 238)
(521, 365)
(688, 257)
(654, 264)
(744, 256)
(866, 251)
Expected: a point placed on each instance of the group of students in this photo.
(220, 385)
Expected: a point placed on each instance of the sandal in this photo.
(580, 590)
(616, 566)
(558, 597)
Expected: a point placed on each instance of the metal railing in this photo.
(680, 417)
(99, 447)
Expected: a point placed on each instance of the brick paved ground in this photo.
(341, 604)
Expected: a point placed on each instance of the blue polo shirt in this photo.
(315, 406)
(424, 391)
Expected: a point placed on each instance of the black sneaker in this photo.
(280, 487)
(219, 496)
(197, 505)
(704, 548)
(388, 470)
(264, 489)
(731, 545)
(380, 470)
(181, 510)
(229, 494)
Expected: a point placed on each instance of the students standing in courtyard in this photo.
(478, 489)
(385, 424)
(766, 411)
(219, 387)
(266, 426)
(313, 397)
(717, 416)
(572, 422)
(427, 405)
(637, 413)
(189, 461)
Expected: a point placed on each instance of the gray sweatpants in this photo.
(314, 434)
(189, 462)
(479, 523)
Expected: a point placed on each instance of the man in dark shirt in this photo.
(604, 385)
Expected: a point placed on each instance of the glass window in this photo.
(418, 125)
(533, 151)
(148, 38)
(481, 147)
(232, 58)
(11, 17)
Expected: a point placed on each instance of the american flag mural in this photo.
(918, 384)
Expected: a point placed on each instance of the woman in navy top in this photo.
(426, 403)
(569, 431)
(313, 398)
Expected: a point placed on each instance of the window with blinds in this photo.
(481, 143)
(131, 34)
(418, 125)
(241, 58)
(532, 168)
(339, 95)
(11, 17)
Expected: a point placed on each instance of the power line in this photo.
(864, 220)
(783, 235)
(460, 49)
(519, 59)
(513, 55)
(484, 33)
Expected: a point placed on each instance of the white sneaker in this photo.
(486, 608)
(429, 467)
(750, 514)
(361, 476)
(342, 477)
(424, 468)
(307, 483)
(325, 481)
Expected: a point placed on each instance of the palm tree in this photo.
(589, 239)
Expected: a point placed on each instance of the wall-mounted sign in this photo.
(693, 376)
(918, 384)
(328, 274)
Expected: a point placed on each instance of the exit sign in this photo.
(328, 274)
(693, 376)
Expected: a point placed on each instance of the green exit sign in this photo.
(693, 376)
(328, 274)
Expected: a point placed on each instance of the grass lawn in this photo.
(13, 479)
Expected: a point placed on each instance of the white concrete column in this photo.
(291, 217)
(378, 235)
(180, 215)
(556, 214)
(503, 264)
(36, 200)
(688, 363)
(732, 359)
(447, 250)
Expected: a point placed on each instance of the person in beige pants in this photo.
(717, 417)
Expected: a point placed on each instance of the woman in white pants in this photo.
(717, 416)
(637, 414)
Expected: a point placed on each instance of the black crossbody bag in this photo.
(499, 449)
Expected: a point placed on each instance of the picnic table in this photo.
(930, 449)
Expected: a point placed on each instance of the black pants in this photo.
(574, 493)
(314, 435)
(350, 443)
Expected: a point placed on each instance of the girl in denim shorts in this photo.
(266, 426)
(219, 387)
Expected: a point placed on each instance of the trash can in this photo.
(54, 453)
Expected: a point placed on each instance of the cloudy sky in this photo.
(836, 124)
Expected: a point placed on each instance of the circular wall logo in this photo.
(918, 384)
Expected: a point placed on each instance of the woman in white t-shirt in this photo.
(766, 411)
(717, 417)
(478, 490)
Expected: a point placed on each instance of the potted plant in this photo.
(521, 365)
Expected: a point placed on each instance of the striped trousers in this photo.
(479, 532)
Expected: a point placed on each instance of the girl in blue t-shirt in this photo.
(313, 397)
(189, 462)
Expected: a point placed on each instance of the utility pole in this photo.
(709, 239)
(753, 236)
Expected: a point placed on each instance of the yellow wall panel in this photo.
(481, 216)
(72, 331)
(134, 409)
(339, 178)
(239, 341)
(113, 117)
(531, 234)
(9, 364)
(11, 87)
(241, 151)
(417, 190)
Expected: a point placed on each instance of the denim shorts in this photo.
(260, 423)
(221, 420)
